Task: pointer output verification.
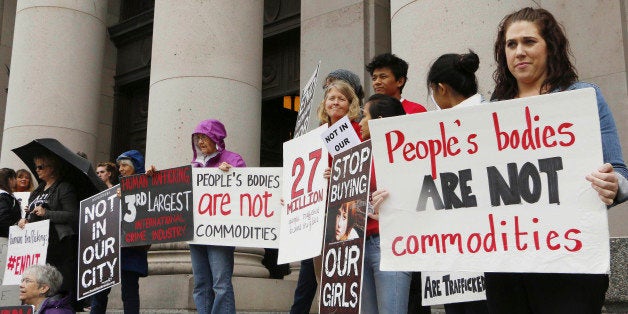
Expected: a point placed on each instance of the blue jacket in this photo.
(611, 147)
(134, 258)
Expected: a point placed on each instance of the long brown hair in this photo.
(560, 72)
(5, 177)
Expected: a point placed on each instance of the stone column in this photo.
(342, 35)
(206, 63)
(56, 65)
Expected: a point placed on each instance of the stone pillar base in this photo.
(174, 292)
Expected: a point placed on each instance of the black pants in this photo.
(306, 288)
(62, 255)
(545, 293)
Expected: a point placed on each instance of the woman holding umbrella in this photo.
(56, 200)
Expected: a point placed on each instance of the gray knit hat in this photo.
(349, 77)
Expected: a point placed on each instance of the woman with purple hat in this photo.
(213, 265)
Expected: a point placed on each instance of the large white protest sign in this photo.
(451, 287)
(498, 187)
(237, 208)
(27, 247)
(340, 136)
(304, 193)
(9, 294)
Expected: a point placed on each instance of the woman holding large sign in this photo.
(56, 199)
(134, 262)
(212, 265)
(532, 55)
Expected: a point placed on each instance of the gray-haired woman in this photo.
(39, 287)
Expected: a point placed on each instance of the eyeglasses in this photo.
(41, 167)
(28, 280)
(202, 138)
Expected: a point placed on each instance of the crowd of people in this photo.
(532, 56)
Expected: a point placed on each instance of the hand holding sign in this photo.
(605, 182)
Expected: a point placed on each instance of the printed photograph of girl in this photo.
(343, 222)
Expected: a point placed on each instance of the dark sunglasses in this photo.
(41, 167)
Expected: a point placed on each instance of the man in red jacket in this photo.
(389, 74)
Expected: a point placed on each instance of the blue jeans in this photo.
(306, 288)
(382, 291)
(213, 268)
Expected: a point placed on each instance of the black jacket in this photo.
(10, 213)
(62, 208)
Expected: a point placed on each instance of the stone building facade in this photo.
(106, 76)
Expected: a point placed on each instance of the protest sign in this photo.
(237, 208)
(157, 208)
(340, 136)
(304, 193)
(22, 197)
(27, 247)
(344, 235)
(99, 243)
(498, 187)
(17, 309)
(303, 117)
(9, 294)
(451, 287)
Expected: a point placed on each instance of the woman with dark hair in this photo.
(382, 291)
(532, 55)
(56, 199)
(24, 181)
(452, 84)
(9, 206)
(108, 173)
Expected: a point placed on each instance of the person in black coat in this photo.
(56, 199)
(9, 206)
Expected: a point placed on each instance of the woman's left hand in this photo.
(377, 199)
(39, 211)
(224, 166)
(605, 182)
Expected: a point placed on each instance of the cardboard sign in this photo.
(99, 243)
(22, 197)
(340, 136)
(9, 294)
(28, 246)
(304, 193)
(303, 118)
(157, 208)
(18, 309)
(237, 208)
(451, 287)
(497, 188)
(343, 253)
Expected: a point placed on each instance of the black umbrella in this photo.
(74, 169)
